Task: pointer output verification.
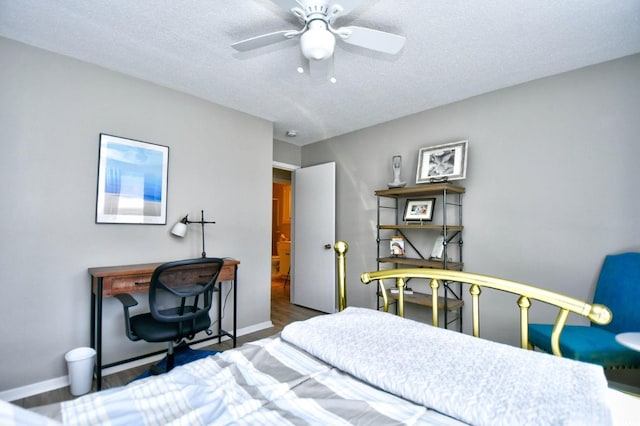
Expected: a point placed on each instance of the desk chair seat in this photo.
(618, 288)
(147, 328)
(180, 297)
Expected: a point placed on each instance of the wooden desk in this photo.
(110, 280)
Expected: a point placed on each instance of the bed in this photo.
(362, 366)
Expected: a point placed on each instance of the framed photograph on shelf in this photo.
(419, 210)
(442, 163)
(396, 246)
(132, 181)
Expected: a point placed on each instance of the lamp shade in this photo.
(179, 229)
(317, 42)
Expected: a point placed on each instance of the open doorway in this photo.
(281, 229)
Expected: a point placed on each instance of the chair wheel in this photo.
(156, 370)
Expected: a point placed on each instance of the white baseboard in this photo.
(34, 389)
(61, 382)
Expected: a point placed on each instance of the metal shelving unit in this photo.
(449, 227)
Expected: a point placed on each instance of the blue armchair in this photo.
(618, 288)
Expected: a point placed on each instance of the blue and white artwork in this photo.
(132, 181)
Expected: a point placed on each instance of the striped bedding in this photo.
(265, 382)
(347, 368)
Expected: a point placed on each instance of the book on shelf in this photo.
(438, 248)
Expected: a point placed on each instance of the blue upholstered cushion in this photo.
(619, 289)
(588, 344)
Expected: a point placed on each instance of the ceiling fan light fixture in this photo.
(317, 42)
(318, 35)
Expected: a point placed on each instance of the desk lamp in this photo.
(180, 228)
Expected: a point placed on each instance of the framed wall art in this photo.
(132, 181)
(419, 210)
(442, 162)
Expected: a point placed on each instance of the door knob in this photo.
(327, 246)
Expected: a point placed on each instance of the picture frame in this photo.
(132, 181)
(442, 163)
(396, 246)
(419, 210)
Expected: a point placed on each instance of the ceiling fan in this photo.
(318, 36)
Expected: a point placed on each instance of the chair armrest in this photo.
(126, 299)
(127, 302)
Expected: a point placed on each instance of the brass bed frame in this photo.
(598, 314)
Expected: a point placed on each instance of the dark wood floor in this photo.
(282, 313)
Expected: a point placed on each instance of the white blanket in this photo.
(471, 379)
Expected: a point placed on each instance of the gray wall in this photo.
(287, 153)
(552, 182)
(52, 110)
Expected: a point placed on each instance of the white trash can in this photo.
(80, 363)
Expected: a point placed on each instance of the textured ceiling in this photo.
(455, 49)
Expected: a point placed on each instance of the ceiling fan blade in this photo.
(263, 40)
(372, 39)
(287, 4)
(320, 70)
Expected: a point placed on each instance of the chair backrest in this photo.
(619, 289)
(182, 290)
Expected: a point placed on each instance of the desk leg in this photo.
(97, 344)
(235, 302)
(220, 312)
(93, 318)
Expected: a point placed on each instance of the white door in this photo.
(314, 226)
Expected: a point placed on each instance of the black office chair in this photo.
(180, 297)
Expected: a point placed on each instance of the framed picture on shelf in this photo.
(396, 246)
(419, 210)
(442, 163)
(132, 181)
